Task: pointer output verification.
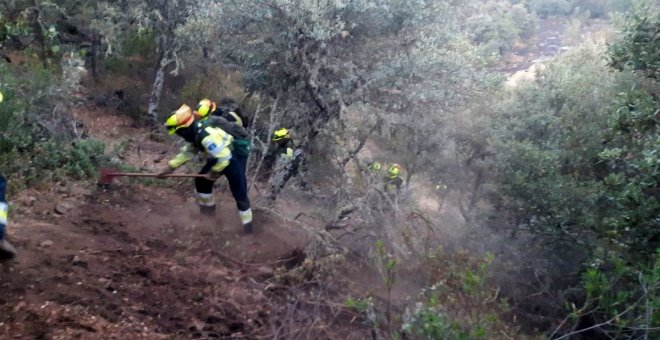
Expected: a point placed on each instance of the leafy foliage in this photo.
(571, 158)
(576, 164)
(39, 141)
(463, 281)
(627, 296)
(545, 8)
(548, 141)
(640, 47)
(500, 25)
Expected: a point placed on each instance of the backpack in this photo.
(241, 147)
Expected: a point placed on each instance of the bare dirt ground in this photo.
(136, 261)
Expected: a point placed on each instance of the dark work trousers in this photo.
(235, 173)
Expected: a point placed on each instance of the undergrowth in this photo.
(38, 144)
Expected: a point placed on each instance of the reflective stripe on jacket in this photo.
(3, 214)
(3, 206)
(288, 155)
(215, 142)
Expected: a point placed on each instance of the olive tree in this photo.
(165, 19)
(573, 159)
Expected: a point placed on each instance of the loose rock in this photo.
(46, 243)
(61, 208)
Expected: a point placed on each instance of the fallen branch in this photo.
(246, 264)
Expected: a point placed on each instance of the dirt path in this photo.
(136, 261)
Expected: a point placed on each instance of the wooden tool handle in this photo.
(142, 174)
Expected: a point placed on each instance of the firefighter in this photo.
(393, 180)
(286, 163)
(374, 167)
(215, 143)
(228, 109)
(441, 190)
(7, 251)
(283, 144)
(231, 119)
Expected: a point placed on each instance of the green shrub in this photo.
(498, 29)
(31, 163)
(596, 8)
(35, 146)
(430, 323)
(622, 6)
(545, 8)
(626, 294)
(462, 305)
(140, 44)
(359, 305)
(115, 65)
(639, 46)
(602, 8)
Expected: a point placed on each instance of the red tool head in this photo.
(106, 176)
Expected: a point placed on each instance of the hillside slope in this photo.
(137, 261)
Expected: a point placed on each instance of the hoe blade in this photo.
(106, 176)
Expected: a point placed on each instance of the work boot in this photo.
(247, 228)
(7, 251)
(207, 210)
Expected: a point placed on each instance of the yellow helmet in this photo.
(394, 170)
(281, 134)
(1, 97)
(183, 117)
(204, 107)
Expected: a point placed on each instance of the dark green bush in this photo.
(36, 146)
(140, 44)
(115, 65)
(545, 8)
(639, 47)
(31, 162)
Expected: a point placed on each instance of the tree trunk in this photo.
(39, 35)
(361, 143)
(414, 165)
(475, 189)
(96, 47)
(159, 80)
(466, 209)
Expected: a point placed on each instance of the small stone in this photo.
(61, 208)
(19, 306)
(213, 319)
(46, 243)
(63, 189)
(31, 201)
(77, 261)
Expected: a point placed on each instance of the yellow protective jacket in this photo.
(285, 149)
(213, 141)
